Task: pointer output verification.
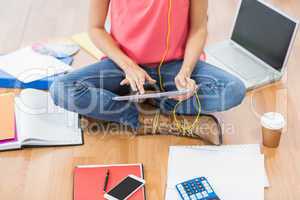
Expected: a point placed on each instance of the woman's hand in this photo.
(184, 81)
(136, 77)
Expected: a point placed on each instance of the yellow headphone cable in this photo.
(178, 124)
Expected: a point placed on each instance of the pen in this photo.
(106, 180)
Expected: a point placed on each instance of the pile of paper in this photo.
(234, 171)
(27, 66)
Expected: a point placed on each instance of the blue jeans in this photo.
(89, 91)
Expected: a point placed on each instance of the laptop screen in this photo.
(264, 32)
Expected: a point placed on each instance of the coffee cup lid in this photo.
(272, 120)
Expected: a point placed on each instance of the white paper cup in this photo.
(272, 126)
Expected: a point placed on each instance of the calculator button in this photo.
(209, 190)
(204, 194)
(184, 194)
(186, 198)
(199, 195)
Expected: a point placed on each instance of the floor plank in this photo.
(47, 173)
(55, 18)
(13, 20)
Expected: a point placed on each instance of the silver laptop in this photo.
(260, 44)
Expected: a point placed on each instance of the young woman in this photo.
(144, 33)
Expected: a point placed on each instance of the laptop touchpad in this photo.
(240, 62)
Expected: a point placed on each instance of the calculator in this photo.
(196, 189)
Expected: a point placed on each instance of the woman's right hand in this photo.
(136, 77)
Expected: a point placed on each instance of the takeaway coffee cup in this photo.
(272, 126)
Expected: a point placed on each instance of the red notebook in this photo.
(89, 180)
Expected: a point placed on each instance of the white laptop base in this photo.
(232, 58)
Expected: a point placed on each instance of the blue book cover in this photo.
(8, 81)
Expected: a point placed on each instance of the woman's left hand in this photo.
(184, 81)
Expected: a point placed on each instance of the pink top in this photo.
(140, 28)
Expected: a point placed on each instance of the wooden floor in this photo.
(46, 173)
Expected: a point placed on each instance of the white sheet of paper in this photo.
(253, 149)
(233, 176)
(27, 65)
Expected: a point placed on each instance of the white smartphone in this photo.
(125, 188)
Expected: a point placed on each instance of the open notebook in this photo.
(40, 123)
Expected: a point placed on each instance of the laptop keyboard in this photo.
(239, 62)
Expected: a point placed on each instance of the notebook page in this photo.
(189, 164)
(10, 146)
(225, 172)
(240, 149)
(244, 148)
(37, 130)
(42, 127)
(40, 103)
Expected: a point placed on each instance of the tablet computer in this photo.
(136, 97)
